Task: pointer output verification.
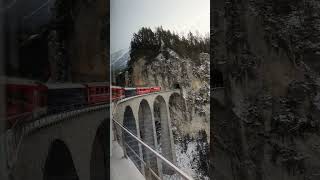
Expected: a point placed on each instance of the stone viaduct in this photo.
(74, 145)
(148, 117)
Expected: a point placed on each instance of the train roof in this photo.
(144, 87)
(15, 80)
(97, 84)
(116, 87)
(130, 88)
(64, 85)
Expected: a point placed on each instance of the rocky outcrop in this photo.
(191, 126)
(268, 127)
(170, 71)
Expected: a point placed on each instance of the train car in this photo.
(117, 93)
(155, 89)
(98, 93)
(25, 100)
(143, 90)
(66, 97)
(130, 92)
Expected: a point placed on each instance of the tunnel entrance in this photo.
(59, 164)
(98, 163)
(176, 86)
(131, 144)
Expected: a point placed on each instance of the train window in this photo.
(21, 98)
(114, 93)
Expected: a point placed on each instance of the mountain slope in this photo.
(120, 59)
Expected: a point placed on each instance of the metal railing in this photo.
(150, 171)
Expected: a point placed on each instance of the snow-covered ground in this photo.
(185, 161)
(122, 168)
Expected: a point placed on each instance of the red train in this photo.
(27, 100)
(117, 93)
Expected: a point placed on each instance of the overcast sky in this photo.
(128, 16)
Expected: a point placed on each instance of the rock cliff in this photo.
(191, 127)
(268, 125)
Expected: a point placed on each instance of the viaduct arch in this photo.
(76, 141)
(59, 163)
(130, 123)
(150, 117)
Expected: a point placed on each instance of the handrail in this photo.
(183, 174)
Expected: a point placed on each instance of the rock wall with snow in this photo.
(190, 127)
(268, 53)
(171, 70)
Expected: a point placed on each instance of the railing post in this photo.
(148, 174)
(140, 148)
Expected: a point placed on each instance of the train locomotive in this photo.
(28, 100)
